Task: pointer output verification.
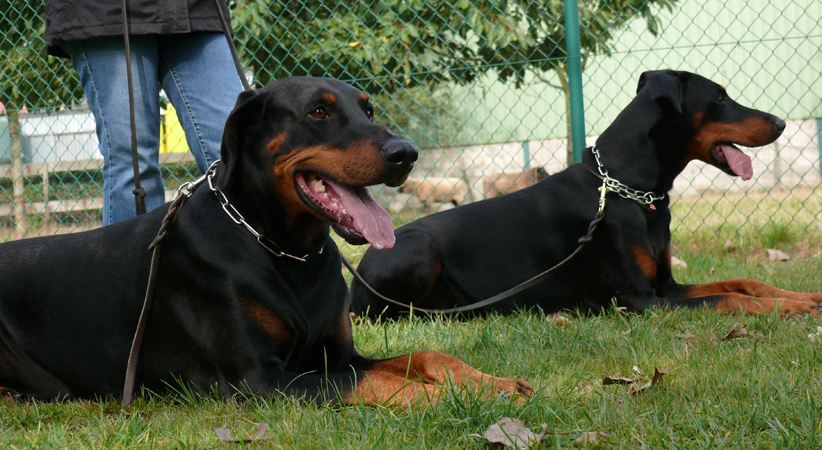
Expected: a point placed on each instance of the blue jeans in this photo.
(197, 74)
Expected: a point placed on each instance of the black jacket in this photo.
(74, 20)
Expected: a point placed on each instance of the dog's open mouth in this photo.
(730, 159)
(352, 211)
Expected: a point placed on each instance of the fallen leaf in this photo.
(224, 434)
(711, 272)
(737, 331)
(617, 380)
(589, 437)
(676, 262)
(729, 246)
(658, 374)
(777, 255)
(512, 433)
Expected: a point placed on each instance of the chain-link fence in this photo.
(480, 86)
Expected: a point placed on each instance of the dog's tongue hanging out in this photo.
(353, 209)
(739, 162)
(369, 218)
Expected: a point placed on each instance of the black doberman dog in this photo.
(476, 251)
(230, 309)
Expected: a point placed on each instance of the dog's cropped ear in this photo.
(663, 85)
(248, 105)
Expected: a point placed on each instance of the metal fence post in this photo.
(575, 77)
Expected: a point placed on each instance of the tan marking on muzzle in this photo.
(753, 132)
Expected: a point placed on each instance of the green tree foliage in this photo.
(391, 46)
(387, 45)
(27, 76)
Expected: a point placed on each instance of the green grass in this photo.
(762, 391)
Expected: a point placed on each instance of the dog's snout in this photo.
(399, 152)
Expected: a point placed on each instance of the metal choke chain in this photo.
(238, 218)
(612, 185)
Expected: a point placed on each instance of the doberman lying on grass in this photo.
(231, 310)
(474, 252)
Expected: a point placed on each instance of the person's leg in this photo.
(198, 75)
(101, 65)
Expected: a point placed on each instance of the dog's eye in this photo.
(722, 98)
(370, 113)
(319, 112)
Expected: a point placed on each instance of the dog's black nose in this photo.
(779, 124)
(400, 152)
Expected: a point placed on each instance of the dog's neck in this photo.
(640, 149)
(295, 237)
(637, 158)
(629, 167)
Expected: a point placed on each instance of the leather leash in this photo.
(499, 297)
(156, 245)
(139, 192)
(609, 184)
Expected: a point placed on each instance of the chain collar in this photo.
(187, 189)
(646, 199)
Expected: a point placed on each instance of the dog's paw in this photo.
(792, 308)
(517, 390)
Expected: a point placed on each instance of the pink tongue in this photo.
(739, 162)
(370, 219)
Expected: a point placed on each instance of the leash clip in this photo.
(646, 199)
(188, 187)
(603, 191)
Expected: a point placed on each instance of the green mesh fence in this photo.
(480, 86)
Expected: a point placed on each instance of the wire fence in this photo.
(480, 86)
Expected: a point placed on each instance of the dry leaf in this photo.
(711, 272)
(512, 433)
(676, 262)
(589, 437)
(617, 380)
(778, 255)
(729, 246)
(558, 319)
(737, 331)
(658, 374)
(224, 434)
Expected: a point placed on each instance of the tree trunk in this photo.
(21, 223)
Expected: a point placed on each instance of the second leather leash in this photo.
(510, 292)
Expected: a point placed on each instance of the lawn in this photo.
(762, 390)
